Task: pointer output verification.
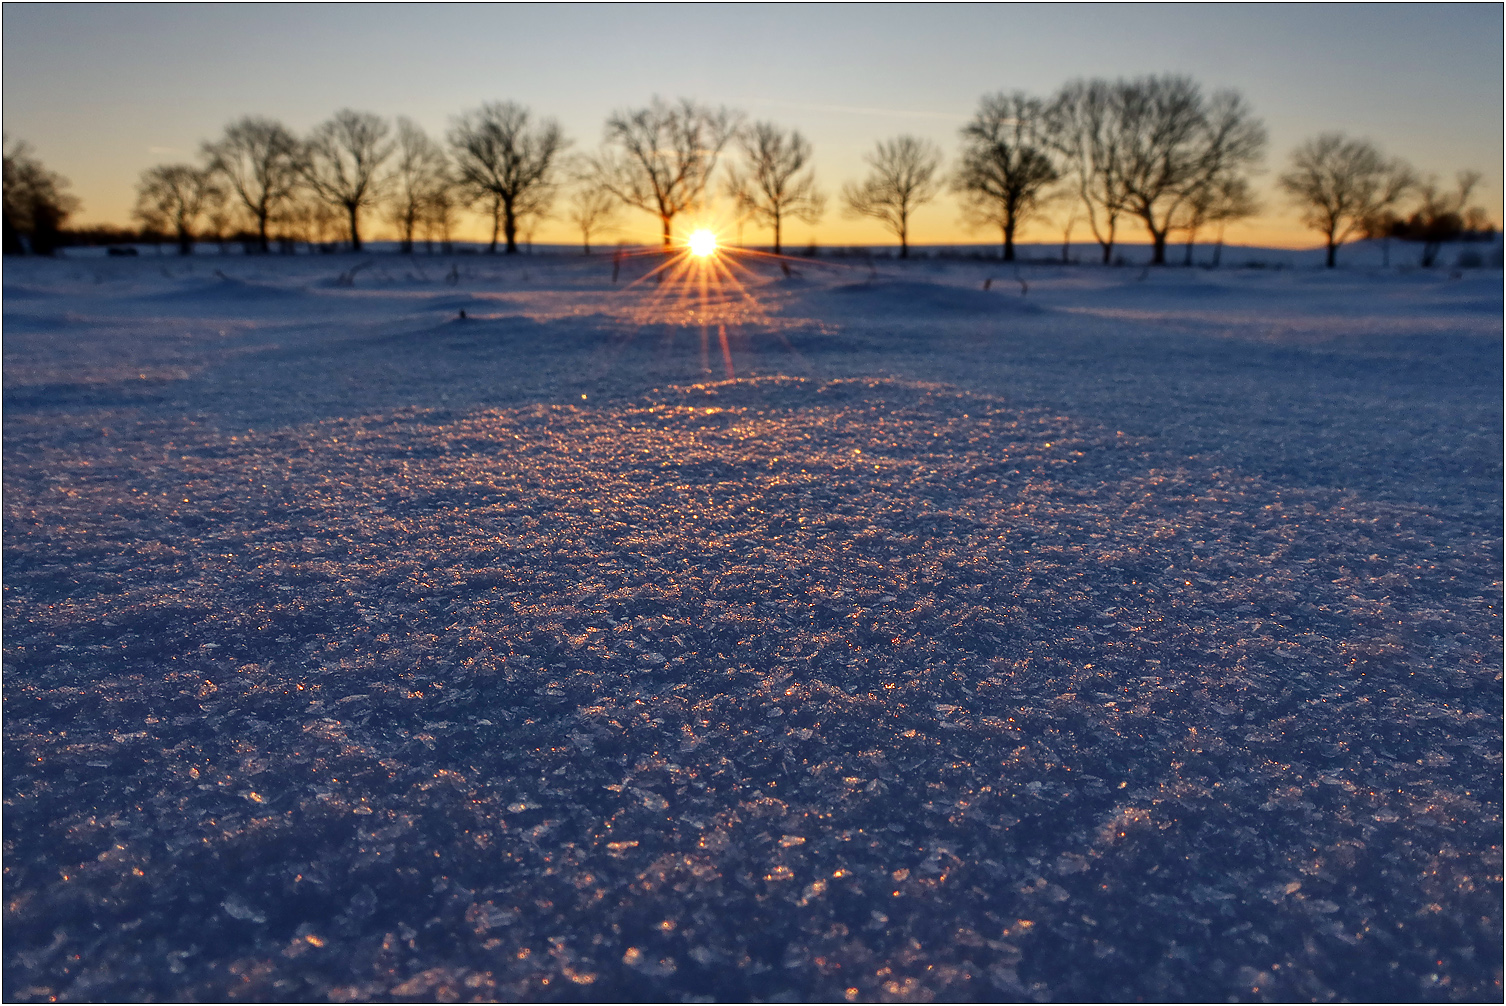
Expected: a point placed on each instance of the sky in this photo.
(102, 92)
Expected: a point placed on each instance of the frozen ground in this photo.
(1138, 637)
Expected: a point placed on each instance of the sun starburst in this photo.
(702, 243)
(701, 282)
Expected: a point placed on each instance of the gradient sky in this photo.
(102, 92)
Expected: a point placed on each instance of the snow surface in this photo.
(1100, 634)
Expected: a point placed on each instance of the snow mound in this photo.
(229, 289)
(919, 297)
(471, 303)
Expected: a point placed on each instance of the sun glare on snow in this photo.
(702, 243)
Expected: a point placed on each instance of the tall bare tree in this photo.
(660, 159)
(437, 217)
(591, 208)
(901, 177)
(257, 158)
(1174, 142)
(1441, 215)
(36, 203)
(775, 180)
(506, 161)
(172, 197)
(1339, 184)
(341, 163)
(309, 218)
(1083, 125)
(1006, 165)
(1218, 201)
(420, 168)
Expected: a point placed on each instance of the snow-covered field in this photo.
(1068, 633)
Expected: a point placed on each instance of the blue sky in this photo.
(103, 91)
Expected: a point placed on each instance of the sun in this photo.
(702, 243)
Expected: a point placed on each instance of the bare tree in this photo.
(35, 202)
(1441, 215)
(341, 163)
(591, 208)
(420, 169)
(437, 218)
(257, 158)
(172, 197)
(508, 163)
(1083, 125)
(775, 181)
(1174, 142)
(1071, 221)
(1006, 164)
(219, 218)
(1340, 184)
(1217, 201)
(902, 177)
(660, 159)
(309, 218)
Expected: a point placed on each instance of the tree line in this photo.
(1156, 151)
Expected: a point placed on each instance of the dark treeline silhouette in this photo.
(1155, 151)
(36, 203)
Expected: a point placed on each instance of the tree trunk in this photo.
(13, 243)
(777, 249)
(1332, 253)
(261, 233)
(1009, 240)
(1108, 250)
(355, 228)
(1158, 241)
(185, 243)
(510, 227)
(665, 220)
(1187, 258)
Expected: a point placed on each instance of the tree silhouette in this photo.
(1217, 201)
(172, 197)
(1006, 163)
(1174, 143)
(258, 160)
(1147, 146)
(506, 161)
(775, 180)
(902, 176)
(1082, 124)
(1340, 185)
(591, 208)
(1441, 215)
(341, 161)
(35, 203)
(419, 168)
(310, 218)
(660, 159)
(437, 217)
